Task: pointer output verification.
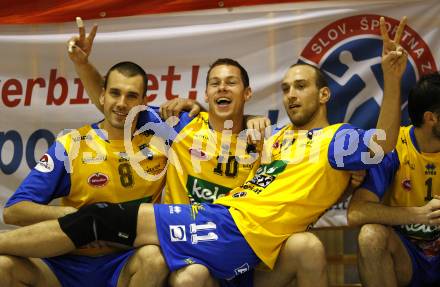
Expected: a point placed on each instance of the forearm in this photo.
(364, 212)
(26, 213)
(45, 239)
(92, 81)
(389, 117)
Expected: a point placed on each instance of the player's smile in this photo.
(120, 115)
(223, 102)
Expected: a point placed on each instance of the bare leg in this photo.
(46, 239)
(146, 268)
(302, 258)
(383, 259)
(192, 275)
(18, 271)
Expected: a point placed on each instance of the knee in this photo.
(373, 239)
(7, 266)
(307, 251)
(150, 258)
(193, 275)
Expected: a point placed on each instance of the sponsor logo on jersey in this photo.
(189, 261)
(430, 169)
(420, 231)
(204, 191)
(410, 164)
(242, 269)
(195, 208)
(98, 179)
(267, 173)
(406, 184)
(45, 164)
(177, 233)
(94, 160)
(82, 138)
(239, 194)
(348, 51)
(198, 153)
(175, 209)
(404, 141)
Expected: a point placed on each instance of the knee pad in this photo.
(102, 221)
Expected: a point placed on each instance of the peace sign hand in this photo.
(79, 47)
(394, 57)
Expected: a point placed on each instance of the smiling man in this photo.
(86, 166)
(282, 197)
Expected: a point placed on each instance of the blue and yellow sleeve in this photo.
(382, 175)
(151, 122)
(349, 149)
(48, 180)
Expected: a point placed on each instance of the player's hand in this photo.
(255, 125)
(394, 57)
(79, 47)
(175, 106)
(68, 210)
(357, 177)
(432, 208)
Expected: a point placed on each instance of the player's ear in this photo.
(101, 97)
(247, 94)
(430, 118)
(324, 95)
(145, 99)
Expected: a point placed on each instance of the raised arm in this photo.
(79, 49)
(394, 59)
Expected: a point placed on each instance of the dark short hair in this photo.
(423, 97)
(128, 69)
(230, 62)
(320, 80)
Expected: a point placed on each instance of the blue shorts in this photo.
(242, 280)
(203, 234)
(426, 269)
(86, 271)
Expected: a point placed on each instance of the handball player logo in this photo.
(349, 52)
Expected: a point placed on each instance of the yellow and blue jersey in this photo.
(409, 177)
(205, 164)
(84, 167)
(306, 174)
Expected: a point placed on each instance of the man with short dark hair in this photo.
(305, 174)
(82, 167)
(399, 203)
(210, 157)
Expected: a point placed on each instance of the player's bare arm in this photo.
(365, 207)
(394, 59)
(27, 212)
(79, 48)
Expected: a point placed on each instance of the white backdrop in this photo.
(41, 95)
